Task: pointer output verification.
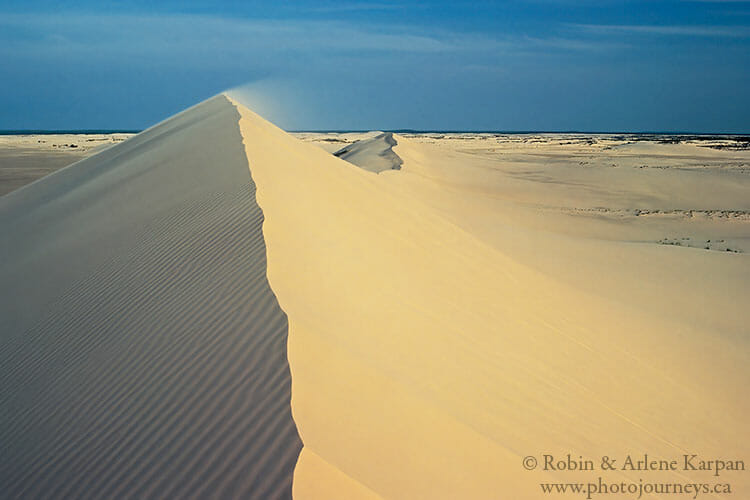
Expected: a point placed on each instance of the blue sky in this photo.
(602, 65)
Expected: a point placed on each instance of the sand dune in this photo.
(143, 353)
(440, 321)
(374, 155)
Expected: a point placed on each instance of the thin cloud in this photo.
(677, 30)
(355, 7)
(570, 44)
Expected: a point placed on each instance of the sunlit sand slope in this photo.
(142, 352)
(427, 362)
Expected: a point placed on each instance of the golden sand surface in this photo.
(499, 298)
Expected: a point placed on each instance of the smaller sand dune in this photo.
(375, 155)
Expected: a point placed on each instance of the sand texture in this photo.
(143, 353)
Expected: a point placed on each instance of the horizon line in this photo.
(95, 131)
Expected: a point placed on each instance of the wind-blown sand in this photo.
(494, 298)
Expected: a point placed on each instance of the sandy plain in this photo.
(26, 158)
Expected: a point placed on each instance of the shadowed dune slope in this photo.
(142, 352)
